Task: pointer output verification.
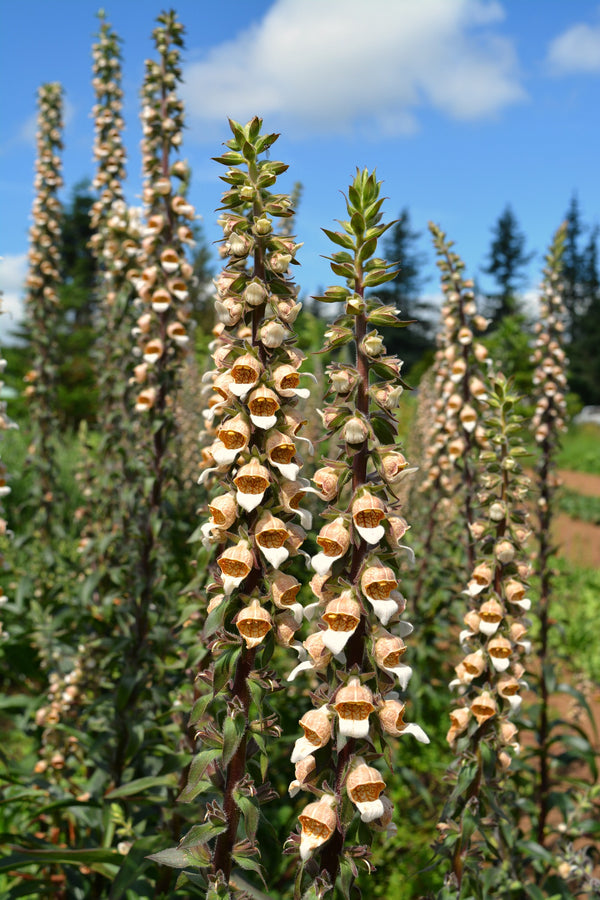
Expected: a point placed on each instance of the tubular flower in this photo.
(317, 822)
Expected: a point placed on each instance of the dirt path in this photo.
(577, 541)
(581, 482)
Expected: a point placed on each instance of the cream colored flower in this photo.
(364, 785)
(353, 705)
(334, 538)
(342, 617)
(253, 623)
(318, 821)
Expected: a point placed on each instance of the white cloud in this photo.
(13, 270)
(576, 50)
(330, 66)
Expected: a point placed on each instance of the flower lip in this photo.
(245, 372)
(353, 705)
(253, 623)
(263, 405)
(367, 513)
(251, 481)
(271, 534)
(318, 821)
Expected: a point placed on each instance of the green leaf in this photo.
(200, 834)
(233, 732)
(139, 785)
(173, 857)
(342, 240)
(198, 709)
(250, 813)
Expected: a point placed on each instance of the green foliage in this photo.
(579, 506)
(579, 449)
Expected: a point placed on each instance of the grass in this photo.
(579, 506)
(580, 450)
(575, 607)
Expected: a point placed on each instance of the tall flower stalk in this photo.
(488, 679)
(255, 516)
(357, 647)
(452, 444)
(550, 385)
(42, 298)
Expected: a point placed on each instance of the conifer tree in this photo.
(506, 261)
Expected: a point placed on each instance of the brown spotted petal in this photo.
(280, 452)
(245, 373)
(334, 539)
(177, 333)
(326, 480)
(287, 380)
(317, 726)
(235, 563)
(271, 535)
(284, 590)
(367, 513)
(483, 707)
(263, 405)
(161, 300)
(291, 493)
(377, 584)
(302, 771)
(459, 719)
(500, 651)
(353, 705)
(145, 400)
(491, 614)
(364, 785)
(508, 687)
(223, 512)
(391, 717)
(313, 654)
(251, 481)
(342, 616)
(232, 438)
(388, 652)
(480, 579)
(514, 592)
(153, 351)
(286, 626)
(253, 623)
(318, 821)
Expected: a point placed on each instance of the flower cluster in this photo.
(162, 284)
(256, 522)
(495, 636)
(489, 677)
(5, 423)
(456, 431)
(549, 379)
(42, 281)
(109, 151)
(357, 648)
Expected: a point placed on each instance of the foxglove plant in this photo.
(254, 517)
(489, 677)
(357, 648)
(5, 423)
(42, 298)
(452, 446)
(161, 329)
(548, 422)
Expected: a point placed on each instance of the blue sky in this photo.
(462, 106)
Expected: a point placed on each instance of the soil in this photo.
(581, 482)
